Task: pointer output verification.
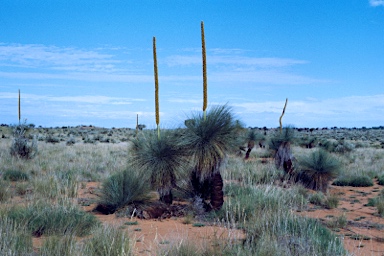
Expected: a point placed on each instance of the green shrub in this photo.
(380, 207)
(121, 189)
(318, 169)
(4, 191)
(316, 198)
(22, 188)
(108, 240)
(59, 245)
(14, 240)
(331, 201)
(354, 181)
(338, 222)
(52, 139)
(21, 146)
(287, 234)
(380, 180)
(277, 138)
(160, 157)
(46, 218)
(15, 175)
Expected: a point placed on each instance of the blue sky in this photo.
(90, 62)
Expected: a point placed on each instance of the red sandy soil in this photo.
(364, 233)
(150, 236)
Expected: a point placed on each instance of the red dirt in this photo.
(151, 235)
(363, 221)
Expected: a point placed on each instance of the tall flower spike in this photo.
(19, 108)
(137, 123)
(281, 124)
(204, 70)
(156, 87)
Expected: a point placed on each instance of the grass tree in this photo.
(208, 139)
(251, 138)
(280, 144)
(162, 158)
(318, 169)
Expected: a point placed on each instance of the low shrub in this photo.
(338, 222)
(318, 169)
(44, 218)
(108, 240)
(14, 240)
(317, 198)
(21, 146)
(121, 189)
(4, 191)
(380, 180)
(15, 175)
(354, 181)
(331, 201)
(59, 245)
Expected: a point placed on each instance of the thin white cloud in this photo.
(262, 76)
(52, 57)
(346, 106)
(84, 76)
(375, 3)
(84, 99)
(176, 60)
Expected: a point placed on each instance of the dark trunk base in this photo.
(217, 195)
(167, 199)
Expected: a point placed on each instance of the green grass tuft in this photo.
(354, 181)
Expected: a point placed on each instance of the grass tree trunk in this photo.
(283, 157)
(251, 144)
(217, 194)
(167, 198)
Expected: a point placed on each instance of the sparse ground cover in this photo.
(265, 211)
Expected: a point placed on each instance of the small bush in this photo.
(380, 207)
(318, 169)
(316, 198)
(59, 245)
(331, 201)
(71, 141)
(15, 175)
(22, 188)
(52, 139)
(276, 139)
(4, 191)
(121, 189)
(380, 180)
(338, 222)
(14, 240)
(45, 218)
(354, 181)
(21, 146)
(108, 241)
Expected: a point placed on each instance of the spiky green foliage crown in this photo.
(160, 157)
(208, 141)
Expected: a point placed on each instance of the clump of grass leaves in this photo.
(121, 189)
(43, 218)
(354, 181)
(318, 169)
(15, 175)
(265, 214)
(14, 238)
